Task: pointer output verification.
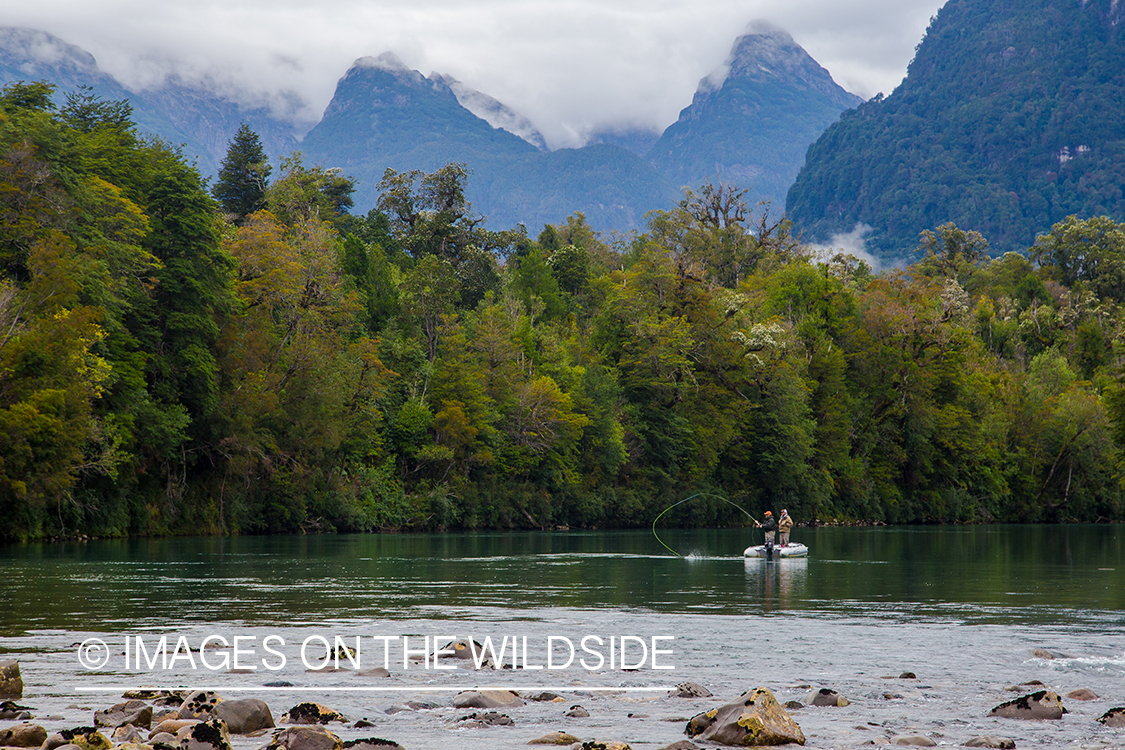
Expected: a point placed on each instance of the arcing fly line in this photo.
(692, 497)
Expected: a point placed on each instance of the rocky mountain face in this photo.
(752, 120)
(182, 114)
(1009, 120)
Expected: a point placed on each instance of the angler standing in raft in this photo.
(769, 526)
(784, 526)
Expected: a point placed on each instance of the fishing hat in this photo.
(784, 512)
(769, 512)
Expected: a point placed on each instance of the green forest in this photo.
(250, 357)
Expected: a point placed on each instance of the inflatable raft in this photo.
(775, 551)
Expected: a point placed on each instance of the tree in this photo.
(1088, 250)
(243, 176)
(84, 110)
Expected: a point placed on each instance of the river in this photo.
(963, 608)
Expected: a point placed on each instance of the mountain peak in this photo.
(494, 112)
(36, 50)
(768, 54)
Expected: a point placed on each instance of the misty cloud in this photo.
(571, 67)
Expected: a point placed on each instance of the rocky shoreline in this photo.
(205, 720)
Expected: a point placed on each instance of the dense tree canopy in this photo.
(170, 367)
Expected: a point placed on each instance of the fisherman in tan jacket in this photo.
(784, 526)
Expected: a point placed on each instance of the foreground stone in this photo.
(755, 720)
(1082, 694)
(1114, 717)
(1042, 705)
(825, 697)
(87, 738)
(487, 719)
(11, 683)
(199, 705)
(913, 740)
(10, 710)
(1004, 743)
(135, 712)
(596, 745)
(487, 699)
(171, 726)
(555, 738)
(305, 738)
(682, 745)
(372, 743)
(311, 713)
(206, 735)
(23, 735)
(244, 715)
(689, 690)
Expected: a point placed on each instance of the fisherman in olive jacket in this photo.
(784, 526)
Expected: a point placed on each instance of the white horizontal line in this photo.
(341, 689)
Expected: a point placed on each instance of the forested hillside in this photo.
(170, 363)
(1008, 121)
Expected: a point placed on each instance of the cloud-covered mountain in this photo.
(193, 117)
(748, 124)
(752, 120)
(385, 115)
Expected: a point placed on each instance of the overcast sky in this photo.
(569, 65)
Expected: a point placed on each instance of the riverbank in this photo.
(887, 710)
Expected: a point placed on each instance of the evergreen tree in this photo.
(243, 175)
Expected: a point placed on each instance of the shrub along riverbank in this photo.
(174, 364)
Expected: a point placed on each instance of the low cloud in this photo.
(849, 243)
(572, 67)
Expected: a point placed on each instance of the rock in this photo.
(87, 738)
(11, 683)
(595, 745)
(487, 719)
(1082, 694)
(311, 713)
(244, 715)
(487, 699)
(555, 738)
(689, 690)
(1114, 717)
(23, 735)
(161, 716)
(198, 705)
(825, 697)
(682, 745)
(163, 738)
(1005, 743)
(545, 697)
(1046, 653)
(206, 735)
(305, 738)
(372, 743)
(908, 676)
(9, 710)
(755, 720)
(128, 733)
(462, 649)
(793, 705)
(171, 726)
(577, 712)
(135, 712)
(913, 740)
(1040, 705)
(374, 672)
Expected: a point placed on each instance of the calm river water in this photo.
(961, 607)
